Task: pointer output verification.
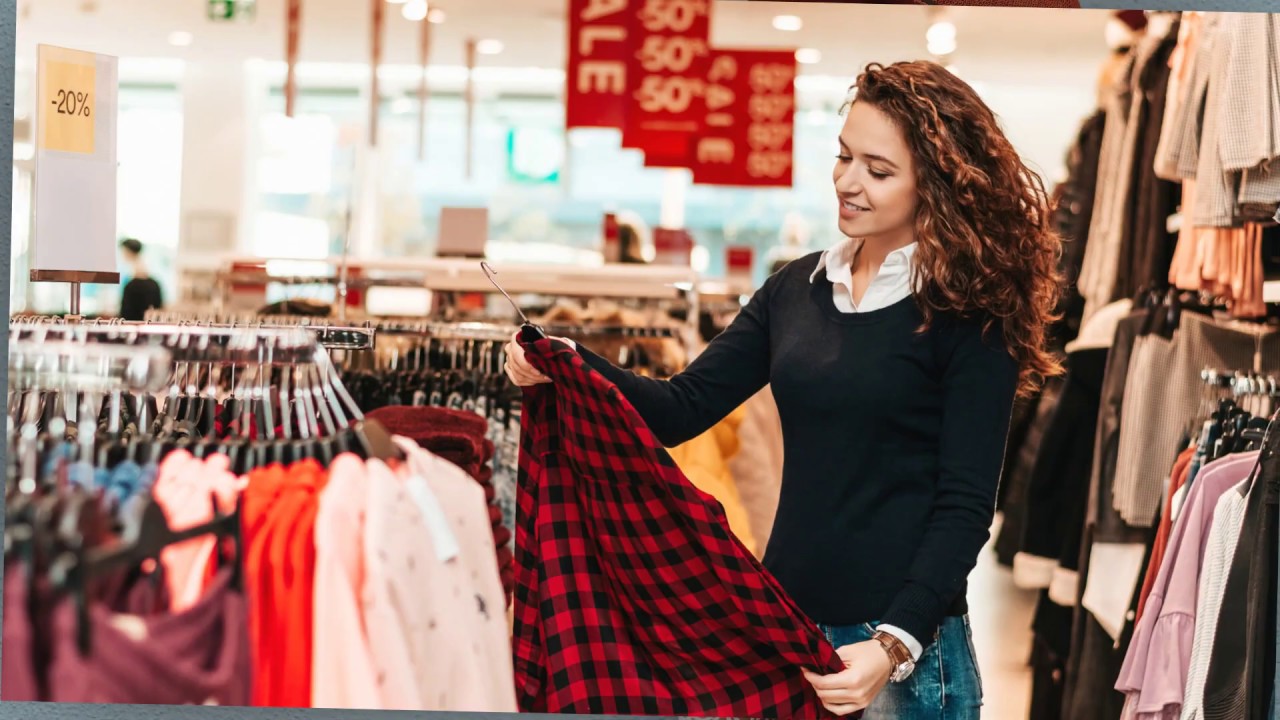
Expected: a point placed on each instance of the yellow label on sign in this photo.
(66, 111)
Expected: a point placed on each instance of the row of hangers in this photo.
(1241, 406)
(55, 528)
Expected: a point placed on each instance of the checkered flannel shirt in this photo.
(632, 595)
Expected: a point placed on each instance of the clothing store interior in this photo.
(306, 485)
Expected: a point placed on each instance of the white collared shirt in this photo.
(891, 284)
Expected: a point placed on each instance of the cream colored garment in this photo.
(479, 676)
(342, 675)
(757, 468)
(402, 611)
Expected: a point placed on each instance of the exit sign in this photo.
(232, 9)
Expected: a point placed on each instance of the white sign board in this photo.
(74, 204)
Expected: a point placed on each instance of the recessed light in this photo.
(435, 16)
(415, 10)
(808, 56)
(180, 39)
(489, 46)
(941, 38)
(787, 23)
(397, 2)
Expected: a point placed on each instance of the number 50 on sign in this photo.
(68, 84)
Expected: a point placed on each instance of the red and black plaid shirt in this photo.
(632, 595)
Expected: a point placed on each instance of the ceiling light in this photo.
(787, 23)
(180, 39)
(489, 47)
(415, 10)
(808, 56)
(941, 38)
(435, 16)
(397, 2)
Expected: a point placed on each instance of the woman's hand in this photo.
(518, 369)
(867, 670)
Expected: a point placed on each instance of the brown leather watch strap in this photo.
(896, 649)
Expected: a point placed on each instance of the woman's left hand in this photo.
(867, 670)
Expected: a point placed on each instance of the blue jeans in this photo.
(946, 684)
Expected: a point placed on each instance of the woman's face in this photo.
(875, 176)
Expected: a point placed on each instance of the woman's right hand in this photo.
(518, 369)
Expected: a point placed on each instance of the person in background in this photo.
(141, 293)
(895, 357)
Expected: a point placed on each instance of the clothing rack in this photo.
(1242, 382)
(105, 478)
(194, 341)
(36, 363)
(439, 329)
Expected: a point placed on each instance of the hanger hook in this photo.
(489, 272)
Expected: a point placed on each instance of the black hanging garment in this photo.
(1242, 665)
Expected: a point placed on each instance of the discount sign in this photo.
(596, 82)
(74, 191)
(666, 73)
(67, 89)
(748, 120)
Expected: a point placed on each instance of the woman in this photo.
(895, 358)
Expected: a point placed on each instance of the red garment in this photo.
(633, 596)
(455, 435)
(1177, 478)
(279, 532)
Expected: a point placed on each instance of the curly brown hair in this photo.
(986, 246)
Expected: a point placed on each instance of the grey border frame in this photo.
(41, 711)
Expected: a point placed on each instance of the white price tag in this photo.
(442, 537)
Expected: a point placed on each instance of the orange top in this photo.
(279, 521)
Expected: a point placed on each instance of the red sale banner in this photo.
(666, 73)
(749, 120)
(596, 77)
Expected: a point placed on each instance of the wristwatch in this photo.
(899, 655)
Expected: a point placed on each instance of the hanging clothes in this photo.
(1155, 671)
(1095, 659)
(459, 436)
(598, 493)
(199, 656)
(1220, 547)
(1238, 681)
(1164, 391)
(280, 507)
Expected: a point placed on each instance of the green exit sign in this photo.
(232, 9)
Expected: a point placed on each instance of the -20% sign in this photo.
(72, 102)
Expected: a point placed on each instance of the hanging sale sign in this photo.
(596, 79)
(749, 120)
(666, 73)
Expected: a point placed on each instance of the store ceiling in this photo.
(533, 32)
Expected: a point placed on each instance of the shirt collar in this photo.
(837, 261)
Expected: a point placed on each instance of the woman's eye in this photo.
(843, 158)
(878, 175)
